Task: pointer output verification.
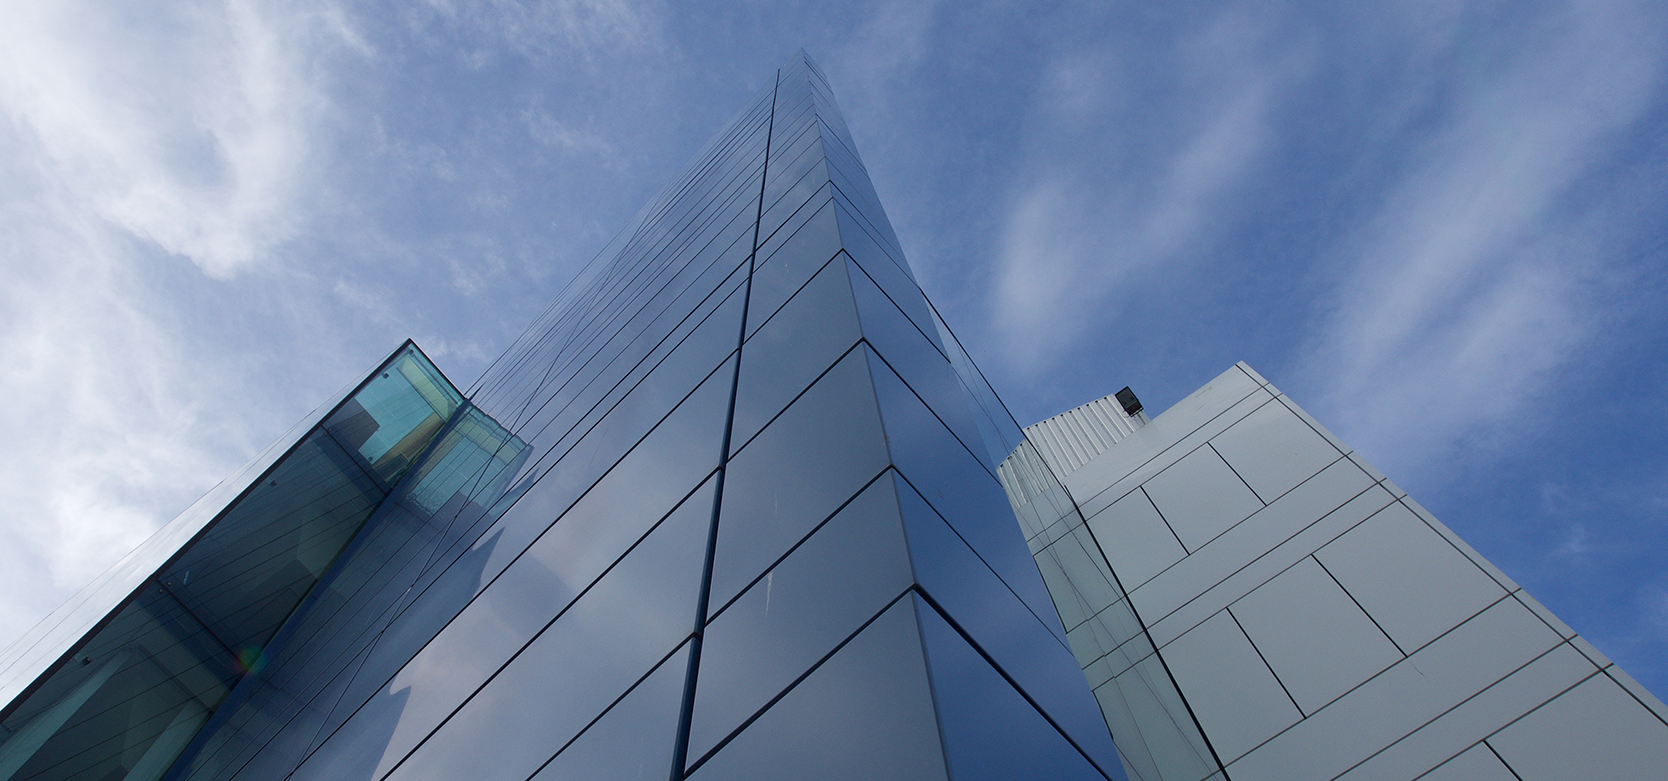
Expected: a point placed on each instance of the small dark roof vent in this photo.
(1126, 398)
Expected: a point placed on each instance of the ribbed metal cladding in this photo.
(1070, 439)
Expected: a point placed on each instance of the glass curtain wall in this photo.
(727, 509)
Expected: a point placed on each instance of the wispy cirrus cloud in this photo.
(1471, 286)
(1085, 228)
(147, 155)
(185, 124)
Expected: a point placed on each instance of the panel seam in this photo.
(686, 711)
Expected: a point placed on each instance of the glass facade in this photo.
(729, 508)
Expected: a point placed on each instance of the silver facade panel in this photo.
(1238, 700)
(1595, 730)
(1306, 619)
(1412, 581)
(1139, 544)
(1319, 643)
(1201, 497)
(1273, 450)
(1478, 763)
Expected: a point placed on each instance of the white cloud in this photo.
(1460, 298)
(1087, 226)
(133, 139)
(186, 124)
(582, 31)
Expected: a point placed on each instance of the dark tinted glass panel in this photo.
(398, 641)
(823, 449)
(904, 348)
(957, 486)
(856, 194)
(836, 124)
(645, 400)
(1001, 433)
(353, 606)
(278, 723)
(793, 113)
(791, 163)
(664, 466)
(820, 594)
(559, 415)
(608, 638)
(807, 178)
(568, 337)
(851, 184)
(628, 411)
(253, 568)
(865, 713)
(627, 420)
(131, 701)
(886, 273)
(1020, 643)
(633, 740)
(793, 107)
(990, 731)
(614, 635)
(782, 272)
(801, 340)
(787, 212)
(522, 601)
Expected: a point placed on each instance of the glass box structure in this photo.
(727, 509)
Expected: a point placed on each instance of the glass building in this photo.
(728, 508)
(569, 570)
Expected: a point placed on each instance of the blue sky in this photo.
(1439, 226)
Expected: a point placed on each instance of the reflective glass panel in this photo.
(817, 596)
(1017, 639)
(783, 271)
(917, 360)
(940, 467)
(865, 713)
(824, 448)
(990, 731)
(584, 659)
(802, 339)
(633, 740)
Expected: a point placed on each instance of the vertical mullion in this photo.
(680, 747)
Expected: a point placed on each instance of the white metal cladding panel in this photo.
(1070, 439)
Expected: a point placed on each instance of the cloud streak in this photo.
(1464, 294)
(193, 133)
(131, 144)
(1086, 230)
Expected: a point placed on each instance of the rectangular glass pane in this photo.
(610, 637)
(865, 713)
(633, 740)
(787, 352)
(839, 577)
(932, 460)
(783, 271)
(990, 730)
(797, 472)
